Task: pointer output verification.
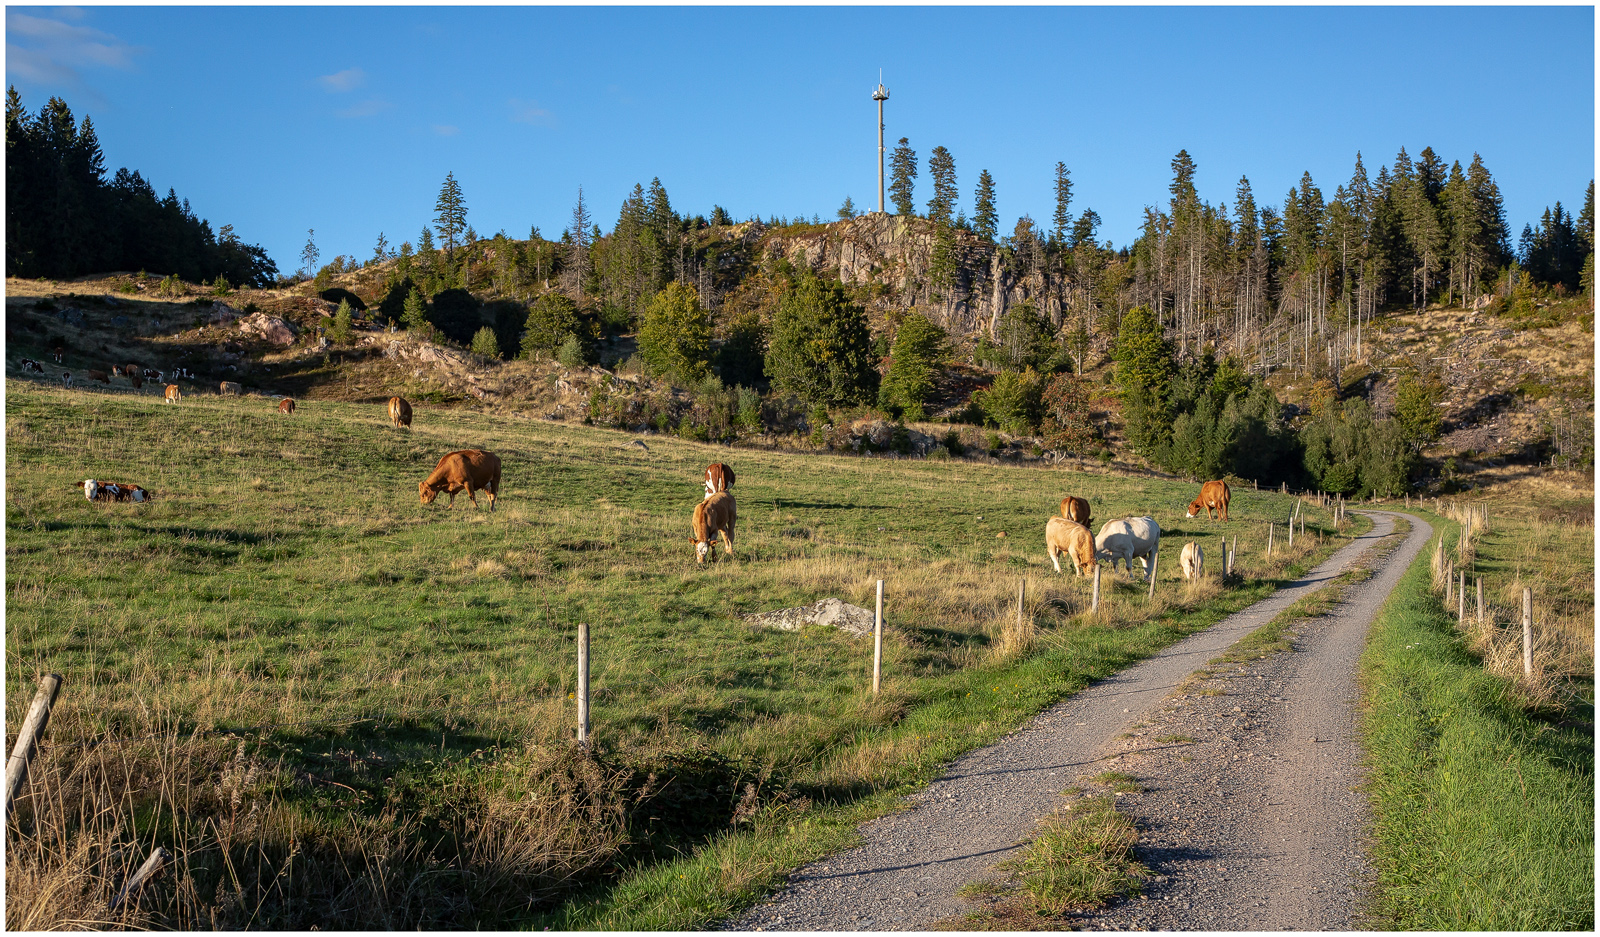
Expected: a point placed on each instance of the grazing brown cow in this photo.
(1213, 496)
(714, 515)
(469, 470)
(719, 477)
(286, 405)
(58, 352)
(100, 376)
(135, 381)
(174, 395)
(399, 412)
(230, 388)
(1075, 509)
(1073, 539)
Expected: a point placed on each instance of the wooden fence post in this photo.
(28, 736)
(1461, 597)
(1449, 580)
(1155, 566)
(1232, 551)
(1022, 587)
(1223, 558)
(1094, 595)
(1480, 600)
(1527, 630)
(1269, 540)
(877, 642)
(583, 683)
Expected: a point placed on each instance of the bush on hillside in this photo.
(484, 343)
(675, 334)
(821, 347)
(919, 347)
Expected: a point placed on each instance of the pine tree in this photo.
(942, 167)
(414, 315)
(309, 255)
(380, 253)
(985, 221)
(847, 210)
(580, 239)
(1063, 216)
(903, 177)
(450, 214)
(919, 347)
(343, 325)
(485, 343)
(821, 347)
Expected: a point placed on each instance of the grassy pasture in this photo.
(417, 662)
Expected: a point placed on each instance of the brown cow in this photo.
(714, 515)
(469, 470)
(399, 412)
(1073, 539)
(173, 394)
(100, 376)
(286, 405)
(135, 381)
(1075, 509)
(719, 477)
(230, 387)
(1213, 496)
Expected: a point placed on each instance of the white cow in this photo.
(1127, 538)
(1193, 561)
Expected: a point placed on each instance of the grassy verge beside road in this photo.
(1484, 807)
(341, 709)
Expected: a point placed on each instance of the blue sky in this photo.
(346, 120)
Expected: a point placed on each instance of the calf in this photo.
(286, 405)
(1073, 539)
(152, 376)
(113, 491)
(719, 477)
(1075, 509)
(469, 470)
(399, 412)
(174, 395)
(1213, 496)
(714, 515)
(1193, 561)
(1128, 538)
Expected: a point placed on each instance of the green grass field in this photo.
(1483, 798)
(416, 664)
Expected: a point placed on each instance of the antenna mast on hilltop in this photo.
(880, 95)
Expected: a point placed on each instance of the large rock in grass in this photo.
(830, 611)
(271, 328)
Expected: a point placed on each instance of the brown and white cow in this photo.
(66, 379)
(1073, 539)
(719, 477)
(286, 405)
(113, 491)
(1075, 509)
(174, 395)
(399, 412)
(1213, 496)
(28, 364)
(58, 352)
(469, 470)
(716, 514)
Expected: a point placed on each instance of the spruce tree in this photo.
(579, 246)
(985, 221)
(847, 210)
(903, 177)
(414, 315)
(821, 346)
(450, 214)
(1063, 216)
(919, 347)
(343, 325)
(942, 167)
(675, 334)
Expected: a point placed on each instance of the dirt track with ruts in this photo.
(1255, 825)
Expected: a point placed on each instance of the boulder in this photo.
(271, 328)
(830, 611)
(221, 314)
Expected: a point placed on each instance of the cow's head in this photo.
(90, 486)
(139, 494)
(428, 493)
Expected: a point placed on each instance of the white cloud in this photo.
(446, 130)
(48, 50)
(529, 112)
(347, 80)
(365, 108)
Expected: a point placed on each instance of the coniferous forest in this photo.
(64, 219)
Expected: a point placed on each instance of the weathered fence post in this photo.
(877, 642)
(1094, 594)
(1155, 565)
(1232, 551)
(1269, 540)
(1022, 587)
(1527, 630)
(28, 736)
(1223, 558)
(583, 683)
(1449, 580)
(1461, 598)
(1480, 600)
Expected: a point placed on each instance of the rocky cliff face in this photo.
(898, 252)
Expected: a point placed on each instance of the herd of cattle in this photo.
(137, 376)
(475, 470)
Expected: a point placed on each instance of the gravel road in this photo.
(1261, 841)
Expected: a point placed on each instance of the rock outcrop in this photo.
(846, 617)
(271, 328)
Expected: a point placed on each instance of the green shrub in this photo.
(1013, 402)
(675, 334)
(342, 329)
(572, 354)
(484, 343)
(919, 347)
(552, 319)
(821, 348)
